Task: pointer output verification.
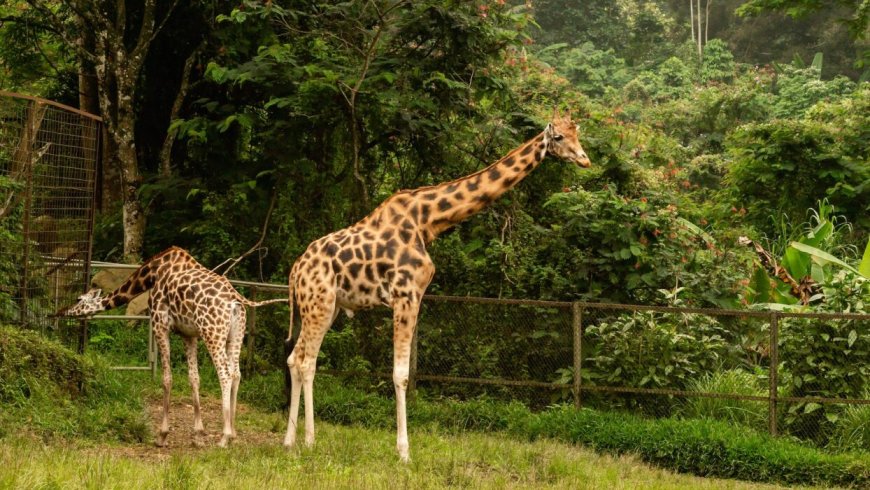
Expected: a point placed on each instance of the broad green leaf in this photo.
(761, 286)
(817, 61)
(821, 257)
(864, 267)
(820, 234)
(796, 263)
(811, 407)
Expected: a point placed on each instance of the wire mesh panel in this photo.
(824, 377)
(48, 155)
(667, 362)
(519, 350)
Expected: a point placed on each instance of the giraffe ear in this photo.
(549, 129)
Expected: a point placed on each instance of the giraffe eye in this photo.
(558, 137)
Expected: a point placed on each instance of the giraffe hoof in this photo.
(225, 441)
(197, 442)
(161, 439)
(290, 442)
(404, 454)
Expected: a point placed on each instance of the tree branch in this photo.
(59, 29)
(256, 245)
(166, 150)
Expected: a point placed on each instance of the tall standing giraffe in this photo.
(195, 302)
(382, 260)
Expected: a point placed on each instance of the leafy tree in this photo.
(718, 62)
(800, 88)
(857, 20)
(591, 71)
(115, 39)
(670, 80)
(785, 167)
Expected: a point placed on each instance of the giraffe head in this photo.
(562, 140)
(88, 304)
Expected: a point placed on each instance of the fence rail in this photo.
(654, 359)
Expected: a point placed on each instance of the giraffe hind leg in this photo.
(234, 350)
(190, 344)
(217, 347)
(161, 336)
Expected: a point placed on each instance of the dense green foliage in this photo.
(49, 390)
(313, 113)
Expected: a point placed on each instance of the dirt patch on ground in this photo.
(180, 439)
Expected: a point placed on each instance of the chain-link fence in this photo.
(48, 156)
(805, 375)
(801, 374)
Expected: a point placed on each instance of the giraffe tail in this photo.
(254, 304)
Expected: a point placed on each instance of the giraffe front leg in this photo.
(404, 322)
(295, 392)
(303, 363)
(193, 374)
(161, 337)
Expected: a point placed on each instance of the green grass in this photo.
(47, 419)
(344, 457)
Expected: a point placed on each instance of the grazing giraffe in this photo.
(382, 260)
(195, 302)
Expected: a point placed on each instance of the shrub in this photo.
(54, 392)
(852, 428)
(734, 381)
(826, 358)
(653, 350)
(702, 447)
(590, 70)
(670, 80)
(718, 62)
(801, 88)
(27, 356)
(787, 166)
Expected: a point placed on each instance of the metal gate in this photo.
(48, 162)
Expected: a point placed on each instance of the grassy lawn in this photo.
(344, 457)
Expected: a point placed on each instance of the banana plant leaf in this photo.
(864, 268)
(823, 258)
(799, 264)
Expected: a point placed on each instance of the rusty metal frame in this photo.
(52, 152)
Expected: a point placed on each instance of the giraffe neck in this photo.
(141, 280)
(442, 206)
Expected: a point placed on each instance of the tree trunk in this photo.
(692, 18)
(707, 20)
(128, 163)
(172, 132)
(700, 48)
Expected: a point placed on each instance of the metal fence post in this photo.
(252, 327)
(774, 363)
(577, 324)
